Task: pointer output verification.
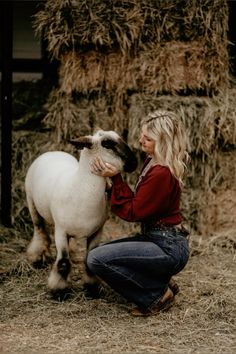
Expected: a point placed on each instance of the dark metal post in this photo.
(6, 20)
(232, 36)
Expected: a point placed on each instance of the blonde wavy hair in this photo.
(165, 128)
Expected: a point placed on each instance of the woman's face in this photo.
(147, 144)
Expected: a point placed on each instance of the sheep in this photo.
(62, 191)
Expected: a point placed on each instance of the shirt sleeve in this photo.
(151, 199)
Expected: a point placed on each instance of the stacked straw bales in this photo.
(120, 59)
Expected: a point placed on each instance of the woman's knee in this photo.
(97, 259)
(92, 260)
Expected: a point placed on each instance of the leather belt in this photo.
(145, 228)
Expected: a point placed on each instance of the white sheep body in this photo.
(64, 192)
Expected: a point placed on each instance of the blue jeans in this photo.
(140, 267)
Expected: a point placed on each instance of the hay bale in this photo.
(211, 127)
(70, 25)
(125, 25)
(209, 194)
(214, 211)
(111, 50)
(62, 115)
(80, 114)
(223, 205)
(145, 45)
(210, 122)
(227, 120)
(172, 67)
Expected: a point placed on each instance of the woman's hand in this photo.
(101, 168)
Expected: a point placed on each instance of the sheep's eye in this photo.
(109, 144)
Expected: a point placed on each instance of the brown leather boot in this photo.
(173, 286)
(163, 304)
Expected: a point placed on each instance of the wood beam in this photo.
(6, 18)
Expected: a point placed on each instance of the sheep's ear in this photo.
(96, 129)
(82, 142)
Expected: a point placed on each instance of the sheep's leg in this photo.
(38, 251)
(94, 240)
(78, 248)
(60, 273)
(93, 286)
(78, 252)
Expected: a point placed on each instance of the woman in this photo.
(140, 267)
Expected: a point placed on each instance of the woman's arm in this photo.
(151, 199)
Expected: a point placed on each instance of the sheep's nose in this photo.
(131, 163)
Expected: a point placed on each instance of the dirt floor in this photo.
(203, 319)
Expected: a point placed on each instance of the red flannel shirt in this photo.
(156, 198)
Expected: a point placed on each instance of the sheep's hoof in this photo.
(92, 291)
(61, 295)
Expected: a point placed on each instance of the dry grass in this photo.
(210, 122)
(110, 51)
(148, 46)
(170, 67)
(72, 24)
(80, 114)
(202, 320)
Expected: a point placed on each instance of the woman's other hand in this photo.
(101, 168)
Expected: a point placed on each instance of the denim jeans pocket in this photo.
(182, 256)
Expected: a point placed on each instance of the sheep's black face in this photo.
(121, 149)
(129, 158)
(112, 141)
(109, 144)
